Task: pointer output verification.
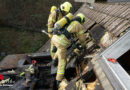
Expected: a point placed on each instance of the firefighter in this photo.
(55, 15)
(62, 42)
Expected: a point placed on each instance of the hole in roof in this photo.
(124, 61)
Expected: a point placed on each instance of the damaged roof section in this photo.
(114, 17)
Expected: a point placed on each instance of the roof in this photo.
(45, 47)
(114, 17)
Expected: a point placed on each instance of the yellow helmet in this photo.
(82, 16)
(66, 6)
(53, 8)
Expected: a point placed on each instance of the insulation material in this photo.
(107, 39)
(91, 86)
(80, 85)
(63, 84)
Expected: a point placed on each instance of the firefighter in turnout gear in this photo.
(55, 15)
(62, 42)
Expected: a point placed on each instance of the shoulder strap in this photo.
(57, 14)
(68, 20)
(67, 34)
(76, 19)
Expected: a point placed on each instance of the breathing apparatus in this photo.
(61, 23)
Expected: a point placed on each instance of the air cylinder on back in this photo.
(62, 22)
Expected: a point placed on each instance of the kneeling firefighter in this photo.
(64, 39)
(55, 15)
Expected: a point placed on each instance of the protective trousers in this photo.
(61, 53)
(52, 53)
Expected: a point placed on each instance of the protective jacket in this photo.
(53, 17)
(62, 43)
